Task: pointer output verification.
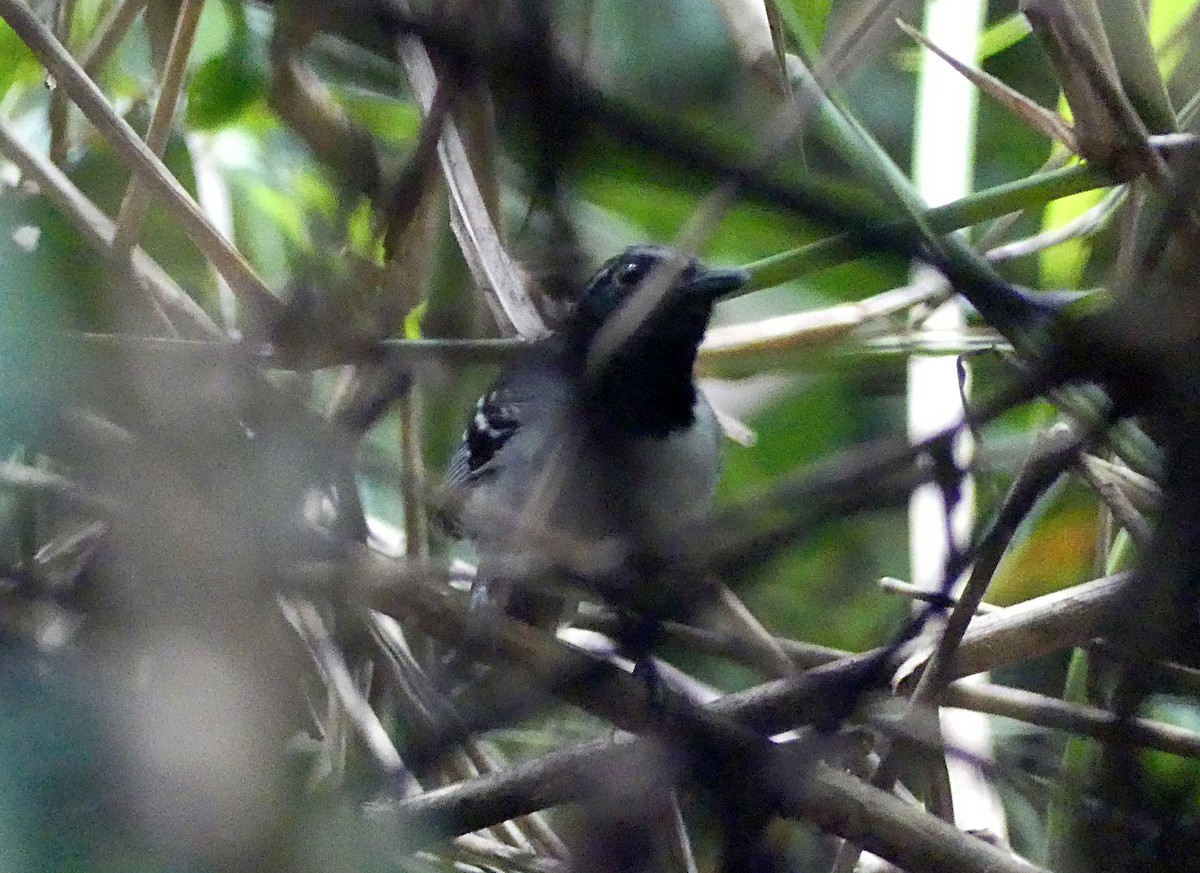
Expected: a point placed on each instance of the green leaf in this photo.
(1062, 265)
(1052, 549)
(19, 65)
(225, 86)
(1173, 773)
(806, 21)
(393, 121)
(412, 321)
(1004, 34)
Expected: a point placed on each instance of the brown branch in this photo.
(835, 801)
(1088, 721)
(137, 196)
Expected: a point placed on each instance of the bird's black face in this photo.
(685, 307)
(637, 350)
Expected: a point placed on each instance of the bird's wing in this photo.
(495, 421)
(458, 473)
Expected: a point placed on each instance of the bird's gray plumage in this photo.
(630, 450)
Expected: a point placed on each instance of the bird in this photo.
(598, 432)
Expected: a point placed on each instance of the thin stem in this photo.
(1033, 191)
(109, 34)
(60, 107)
(137, 195)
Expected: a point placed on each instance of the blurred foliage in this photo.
(300, 230)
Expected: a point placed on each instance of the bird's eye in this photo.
(629, 273)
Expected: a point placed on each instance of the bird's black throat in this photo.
(646, 391)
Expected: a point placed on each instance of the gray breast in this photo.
(594, 486)
(678, 479)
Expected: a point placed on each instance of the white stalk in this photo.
(943, 161)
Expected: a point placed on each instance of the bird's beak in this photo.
(715, 284)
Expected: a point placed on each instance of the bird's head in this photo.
(651, 295)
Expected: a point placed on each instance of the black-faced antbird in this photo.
(596, 434)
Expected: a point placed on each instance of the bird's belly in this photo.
(638, 488)
(674, 488)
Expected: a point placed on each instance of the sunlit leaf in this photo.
(225, 86)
